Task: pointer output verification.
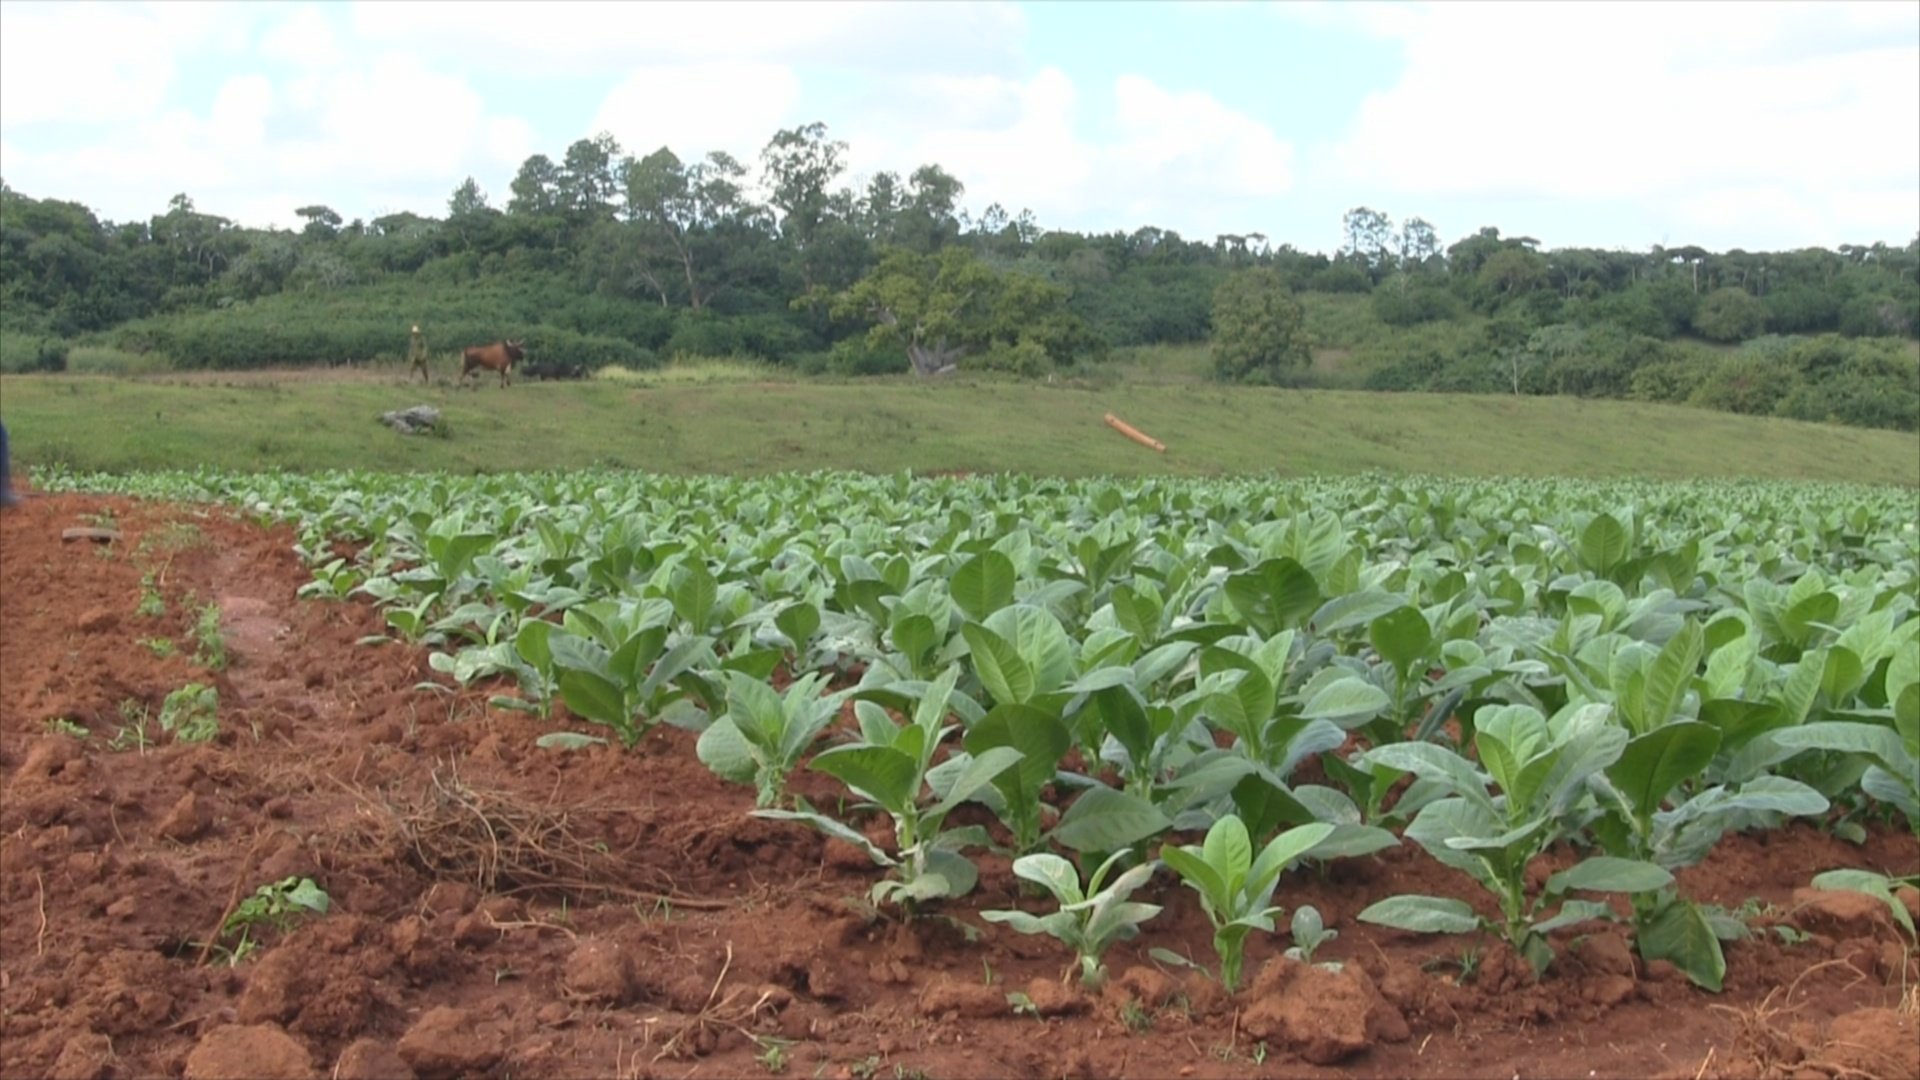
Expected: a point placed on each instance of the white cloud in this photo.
(103, 63)
(574, 36)
(1747, 122)
(697, 108)
(1176, 159)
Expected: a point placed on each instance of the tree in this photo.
(1259, 331)
(1418, 244)
(1729, 314)
(1513, 272)
(467, 199)
(1370, 238)
(322, 221)
(943, 306)
(536, 187)
(676, 207)
(586, 182)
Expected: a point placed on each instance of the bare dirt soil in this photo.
(502, 910)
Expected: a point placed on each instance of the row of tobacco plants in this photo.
(1484, 669)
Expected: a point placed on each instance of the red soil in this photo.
(697, 930)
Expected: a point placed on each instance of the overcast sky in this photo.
(1613, 124)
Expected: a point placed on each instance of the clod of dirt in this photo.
(1840, 912)
(1051, 998)
(600, 971)
(1607, 954)
(96, 621)
(186, 821)
(448, 1042)
(967, 999)
(85, 1057)
(1609, 991)
(258, 1052)
(1873, 1042)
(276, 988)
(1324, 1016)
(371, 1059)
(47, 756)
(1148, 986)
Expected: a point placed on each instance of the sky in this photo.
(1619, 124)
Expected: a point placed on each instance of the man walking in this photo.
(417, 355)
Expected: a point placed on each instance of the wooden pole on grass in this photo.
(1134, 433)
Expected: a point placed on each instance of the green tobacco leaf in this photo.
(1349, 702)
(589, 696)
(799, 622)
(1423, 915)
(1107, 819)
(722, 749)
(1006, 676)
(1604, 544)
(1672, 671)
(1274, 596)
(1402, 638)
(880, 773)
(983, 584)
(1605, 873)
(1682, 935)
(1657, 762)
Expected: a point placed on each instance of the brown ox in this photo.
(500, 357)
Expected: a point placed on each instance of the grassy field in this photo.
(720, 418)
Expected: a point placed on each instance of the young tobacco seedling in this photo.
(1235, 887)
(761, 736)
(1309, 933)
(1088, 921)
(889, 767)
(1542, 769)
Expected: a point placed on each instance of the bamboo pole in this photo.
(1134, 433)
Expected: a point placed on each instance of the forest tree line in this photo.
(605, 257)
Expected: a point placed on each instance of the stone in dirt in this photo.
(412, 421)
(371, 1059)
(258, 1052)
(446, 1042)
(1323, 1016)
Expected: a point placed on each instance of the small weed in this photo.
(191, 714)
(901, 1072)
(1792, 935)
(1135, 1017)
(278, 906)
(865, 1070)
(101, 520)
(161, 647)
(1023, 1005)
(60, 725)
(986, 971)
(152, 604)
(773, 1055)
(132, 733)
(1259, 1054)
(212, 652)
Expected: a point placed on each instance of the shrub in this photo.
(1729, 314)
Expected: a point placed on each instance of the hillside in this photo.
(721, 418)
